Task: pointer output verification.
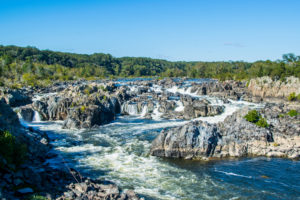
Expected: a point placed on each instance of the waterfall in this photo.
(180, 106)
(144, 111)
(156, 114)
(36, 117)
(130, 109)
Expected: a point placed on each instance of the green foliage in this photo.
(298, 97)
(82, 108)
(103, 88)
(11, 150)
(87, 91)
(247, 84)
(275, 144)
(252, 116)
(21, 66)
(29, 79)
(262, 122)
(292, 97)
(37, 197)
(293, 113)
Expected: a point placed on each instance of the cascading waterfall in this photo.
(144, 111)
(130, 109)
(180, 106)
(36, 117)
(156, 114)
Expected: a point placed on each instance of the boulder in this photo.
(8, 118)
(193, 140)
(27, 113)
(88, 116)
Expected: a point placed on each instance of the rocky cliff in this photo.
(265, 87)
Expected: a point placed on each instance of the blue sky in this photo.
(190, 30)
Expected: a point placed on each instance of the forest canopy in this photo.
(21, 66)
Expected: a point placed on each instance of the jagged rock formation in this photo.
(82, 106)
(228, 89)
(265, 87)
(235, 137)
(196, 139)
(34, 175)
(15, 98)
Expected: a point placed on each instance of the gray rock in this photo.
(27, 113)
(15, 98)
(235, 137)
(196, 139)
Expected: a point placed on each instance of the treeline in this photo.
(31, 66)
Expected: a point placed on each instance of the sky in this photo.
(176, 30)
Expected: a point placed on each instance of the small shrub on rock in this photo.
(252, 116)
(275, 144)
(37, 197)
(87, 91)
(82, 108)
(293, 113)
(262, 122)
(292, 97)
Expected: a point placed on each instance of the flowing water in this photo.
(119, 152)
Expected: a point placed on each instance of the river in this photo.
(119, 152)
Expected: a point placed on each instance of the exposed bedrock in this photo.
(235, 137)
(195, 139)
(265, 87)
(82, 106)
(26, 112)
(15, 98)
(35, 175)
(228, 89)
(201, 109)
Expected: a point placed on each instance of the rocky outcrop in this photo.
(265, 87)
(82, 106)
(8, 118)
(227, 89)
(26, 113)
(235, 137)
(90, 189)
(88, 116)
(195, 139)
(15, 98)
(35, 176)
(200, 109)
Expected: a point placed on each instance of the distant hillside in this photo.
(31, 66)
